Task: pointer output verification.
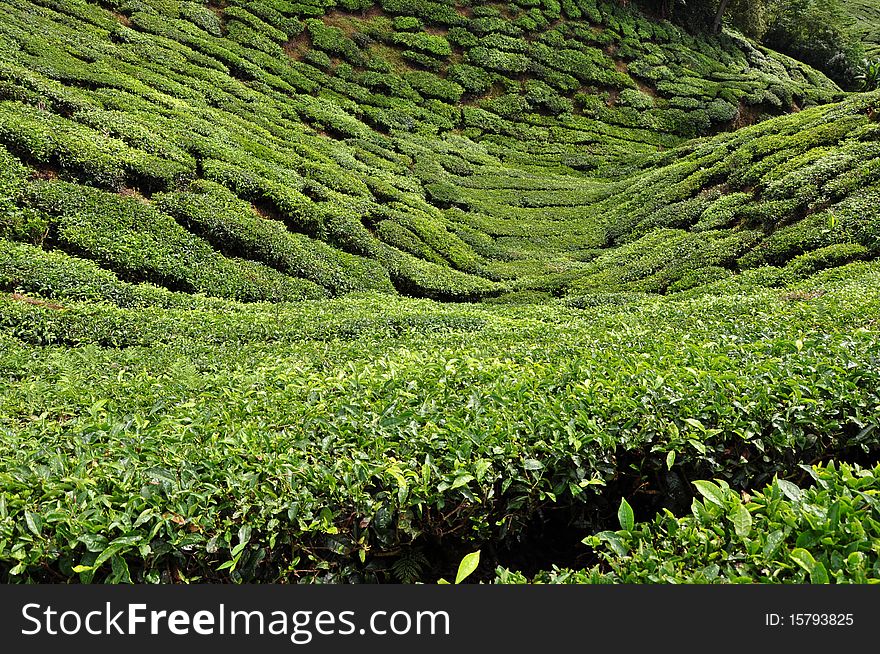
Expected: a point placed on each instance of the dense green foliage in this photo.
(165, 438)
(782, 534)
(819, 32)
(315, 291)
(867, 24)
(830, 35)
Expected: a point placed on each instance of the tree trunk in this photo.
(716, 26)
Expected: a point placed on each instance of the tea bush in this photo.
(287, 288)
(781, 534)
(233, 228)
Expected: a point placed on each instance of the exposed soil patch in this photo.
(436, 30)
(647, 90)
(266, 211)
(18, 297)
(129, 192)
(122, 18)
(297, 47)
(216, 6)
(613, 96)
(47, 173)
(746, 116)
(803, 296)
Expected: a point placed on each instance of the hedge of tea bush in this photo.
(634, 256)
(332, 428)
(823, 530)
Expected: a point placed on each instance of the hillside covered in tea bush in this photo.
(866, 15)
(338, 291)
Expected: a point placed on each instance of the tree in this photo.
(818, 33)
(748, 16)
(719, 16)
(664, 8)
(813, 31)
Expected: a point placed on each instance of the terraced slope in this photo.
(230, 238)
(226, 150)
(782, 199)
(867, 25)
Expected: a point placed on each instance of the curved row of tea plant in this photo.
(325, 438)
(209, 214)
(337, 144)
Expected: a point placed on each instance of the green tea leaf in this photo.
(625, 516)
(742, 520)
(803, 558)
(819, 575)
(774, 540)
(34, 523)
(697, 445)
(462, 480)
(693, 422)
(808, 538)
(112, 550)
(711, 492)
(614, 542)
(467, 566)
(791, 491)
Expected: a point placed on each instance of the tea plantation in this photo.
(866, 15)
(341, 290)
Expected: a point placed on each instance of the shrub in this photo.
(333, 40)
(234, 228)
(721, 111)
(407, 24)
(771, 537)
(636, 99)
(829, 256)
(428, 43)
(767, 536)
(430, 85)
(471, 78)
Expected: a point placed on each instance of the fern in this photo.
(410, 566)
